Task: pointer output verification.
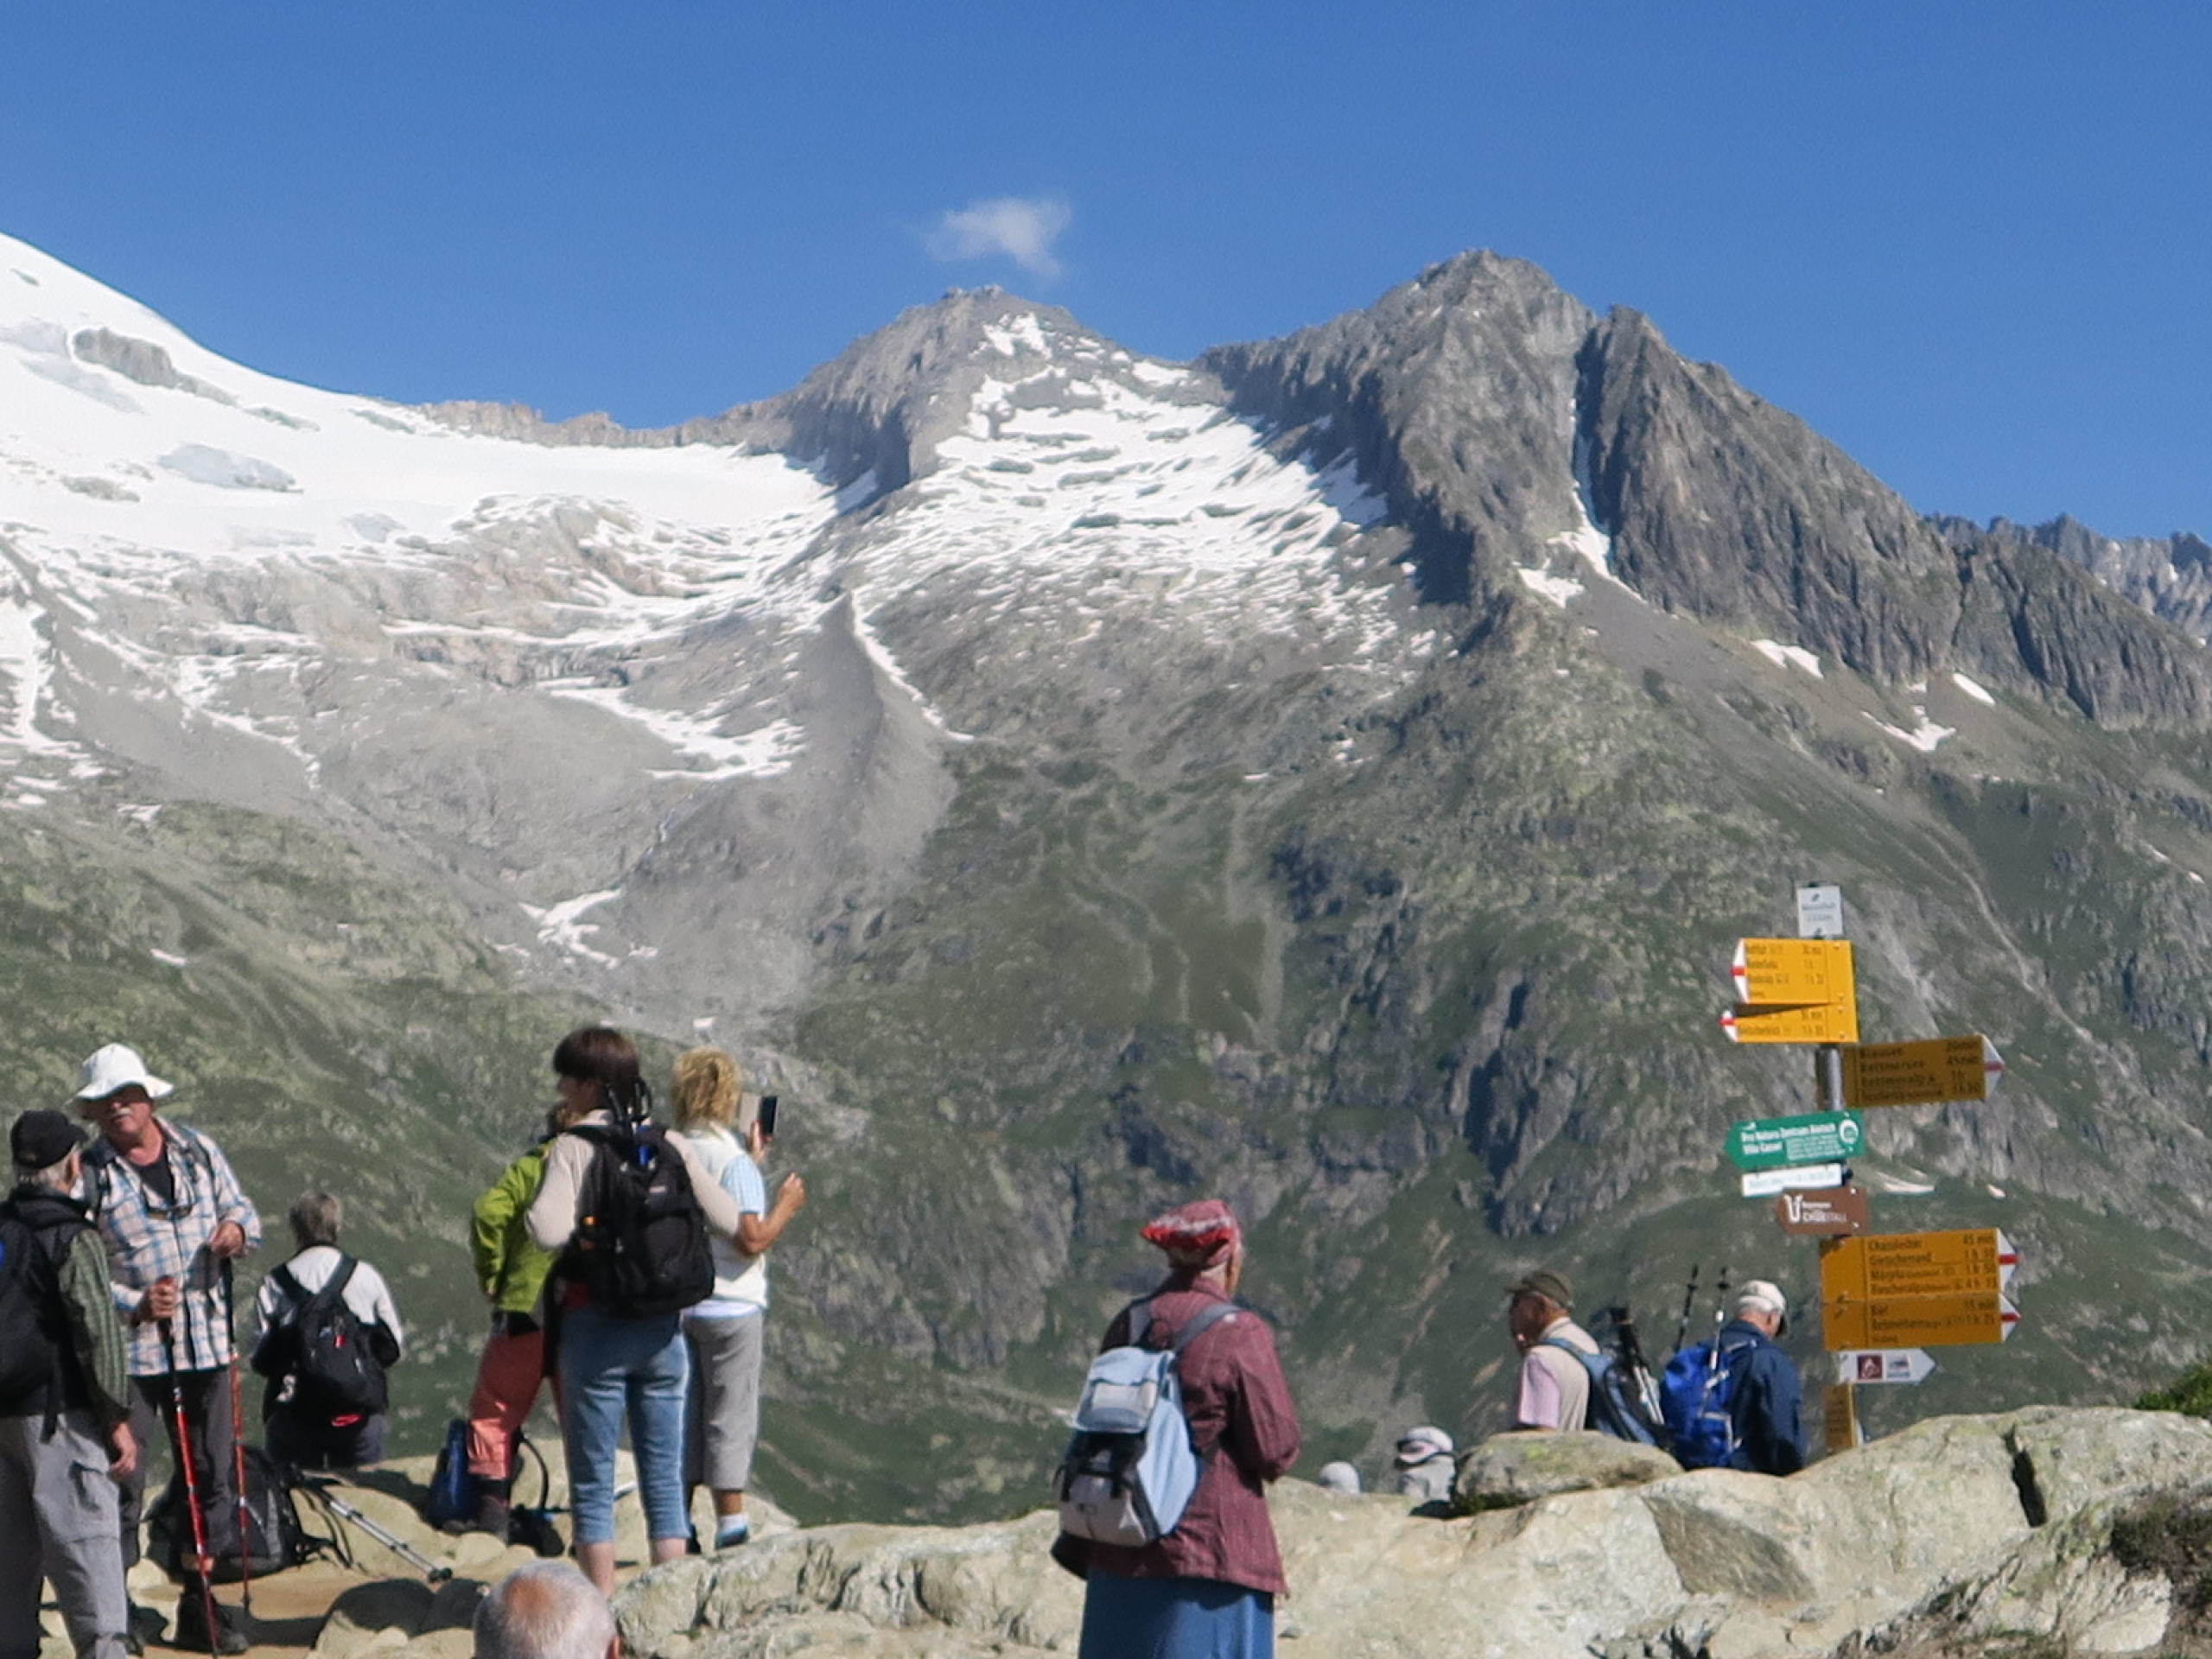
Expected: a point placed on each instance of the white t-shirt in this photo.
(366, 1293)
(740, 1280)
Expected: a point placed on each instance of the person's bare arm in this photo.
(756, 1233)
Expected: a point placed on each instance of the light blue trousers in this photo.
(612, 1369)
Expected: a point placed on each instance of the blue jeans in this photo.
(608, 1367)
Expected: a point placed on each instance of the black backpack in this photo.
(31, 1337)
(317, 1356)
(641, 1249)
(274, 1536)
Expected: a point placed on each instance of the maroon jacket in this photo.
(1234, 1398)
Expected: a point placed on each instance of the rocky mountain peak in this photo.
(872, 416)
(877, 410)
(1454, 394)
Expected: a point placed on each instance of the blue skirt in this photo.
(1175, 1619)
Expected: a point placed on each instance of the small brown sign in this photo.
(1838, 1212)
(1840, 1416)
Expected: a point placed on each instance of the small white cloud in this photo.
(1022, 229)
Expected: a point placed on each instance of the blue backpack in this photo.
(1615, 1409)
(1697, 1395)
(1129, 1469)
(451, 1500)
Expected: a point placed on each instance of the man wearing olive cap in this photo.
(1552, 1389)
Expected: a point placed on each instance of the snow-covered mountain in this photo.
(577, 680)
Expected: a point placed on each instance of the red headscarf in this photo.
(1201, 1236)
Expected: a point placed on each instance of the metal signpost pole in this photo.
(1820, 915)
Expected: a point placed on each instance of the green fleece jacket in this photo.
(510, 1269)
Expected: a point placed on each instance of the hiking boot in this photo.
(493, 1514)
(192, 1627)
(732, 1536)
(142, 1625)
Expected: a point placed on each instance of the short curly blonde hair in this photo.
(708, 1083)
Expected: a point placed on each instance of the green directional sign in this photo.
(1814, 1138)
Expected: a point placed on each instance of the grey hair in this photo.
(54, 1177)
(544, 1611)
(316, 1218)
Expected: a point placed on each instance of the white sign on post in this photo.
(1883, 1364)
(1765, 1183)
(1820, 912)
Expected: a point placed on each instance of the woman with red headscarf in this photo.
(1207, 1590)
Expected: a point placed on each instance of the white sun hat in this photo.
(118, 1066)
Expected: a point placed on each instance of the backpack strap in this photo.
(333, 1287)
(1588, 1361)
(1194, 1327)
(1199, 1322)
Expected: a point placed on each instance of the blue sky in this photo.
(1967, 241)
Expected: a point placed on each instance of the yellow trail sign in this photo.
(1921, 1074)
(1918, 1321)
(1792, 973)
(1822, 1022)
(1970, 1260)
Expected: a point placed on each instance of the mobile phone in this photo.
(767, 1114)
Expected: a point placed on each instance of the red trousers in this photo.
(507, 1380)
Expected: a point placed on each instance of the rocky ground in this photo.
(2041, 1533)
(358, 1595)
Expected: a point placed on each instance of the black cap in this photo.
(41, 1139)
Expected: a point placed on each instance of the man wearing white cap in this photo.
(1765, 1406)
(172, 1216)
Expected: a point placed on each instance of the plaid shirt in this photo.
(148, 1240)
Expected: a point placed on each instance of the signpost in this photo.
(1885, 1298)
(1792, 973)
(1821, 1023)
(1921, 1074)
(1883, 1365)
(1967, 1317)
(1765, 1183)
(1835, 1214)
(1813, 1138)
(1974, 1259)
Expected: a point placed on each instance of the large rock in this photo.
(1508, 1470)
(991, 1588)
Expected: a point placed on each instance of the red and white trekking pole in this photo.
(237, 1451)
(202, 1563)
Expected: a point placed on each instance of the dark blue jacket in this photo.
(1765, 1406)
